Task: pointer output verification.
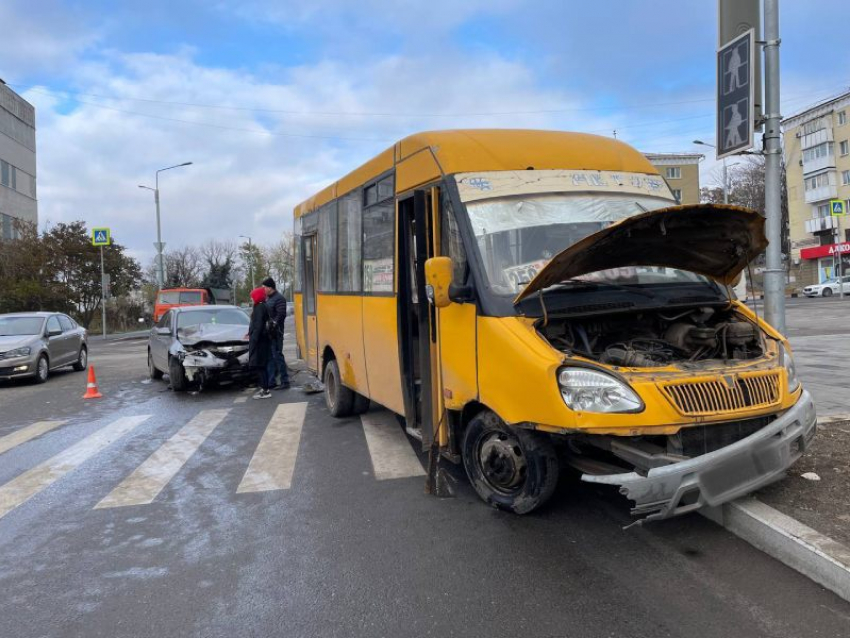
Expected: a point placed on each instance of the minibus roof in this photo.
(464, 150)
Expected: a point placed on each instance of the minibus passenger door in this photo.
(308, 251)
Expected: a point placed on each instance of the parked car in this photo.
(32, 344)
(198, 345)
(827, 288)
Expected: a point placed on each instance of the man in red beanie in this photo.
(259, 342)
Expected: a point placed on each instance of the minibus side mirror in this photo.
(438, 278)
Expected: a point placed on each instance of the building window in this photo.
(822, 210)
(845, 148)
(821, 150)
(845, 178)
(842, 118)
(677, 194)
(674, 172)
(4, 173)
(814, 126)
(824, 179)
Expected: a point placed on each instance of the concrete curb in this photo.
(821, 559)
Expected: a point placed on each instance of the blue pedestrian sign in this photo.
(101, 237)
(836, 207)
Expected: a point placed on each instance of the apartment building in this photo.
(681, 172)
(17, 162)
(817, 158)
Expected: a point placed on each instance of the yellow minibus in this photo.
(528, 300)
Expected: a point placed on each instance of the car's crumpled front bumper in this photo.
(723, 475)
(212, 366)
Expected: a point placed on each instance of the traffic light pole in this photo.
(774, 274)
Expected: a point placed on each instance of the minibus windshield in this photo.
(518, 235)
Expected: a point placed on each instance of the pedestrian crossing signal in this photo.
(100, 237)
(836, 207)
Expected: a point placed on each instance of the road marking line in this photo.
(273, 463)
(249, 390)
(240, 399)
(150, 478)
(392, 456)
(25, 486)
(25, 434)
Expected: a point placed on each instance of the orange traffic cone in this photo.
(91, 387)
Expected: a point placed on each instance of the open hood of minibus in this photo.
(714, 240)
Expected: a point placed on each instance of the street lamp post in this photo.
(725, 173)
(159, 245)
(250, 260)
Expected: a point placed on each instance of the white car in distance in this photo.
(828, 288)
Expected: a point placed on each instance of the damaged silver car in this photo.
(200, 345)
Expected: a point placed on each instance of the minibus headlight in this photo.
(586, 390)
(788, 361)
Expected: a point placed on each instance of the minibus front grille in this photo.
(728, 394)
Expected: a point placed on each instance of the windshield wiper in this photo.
(600, 284)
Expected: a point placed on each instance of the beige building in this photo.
(17, 162)
(681, 172)
(817, 157)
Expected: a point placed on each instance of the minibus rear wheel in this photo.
(511, 468)
(338, 398)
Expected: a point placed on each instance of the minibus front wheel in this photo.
(511, 468)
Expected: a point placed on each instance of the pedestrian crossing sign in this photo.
(836, 207)
(100, 237)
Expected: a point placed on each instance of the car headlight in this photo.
(586, 390)
(18, 352)
(788, 362)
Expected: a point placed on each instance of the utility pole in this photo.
(774, 274)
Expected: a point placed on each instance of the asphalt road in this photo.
(149, 513)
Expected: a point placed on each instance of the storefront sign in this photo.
(825, 251)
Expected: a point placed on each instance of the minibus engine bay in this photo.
(656, 338)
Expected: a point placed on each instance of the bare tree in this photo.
(184, 267)
(218, 253)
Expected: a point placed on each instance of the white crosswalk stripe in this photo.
(273, 463)
(25, 486)
(25, 434)
(149, 479)
(392, 455)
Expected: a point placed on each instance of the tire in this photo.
(154, 372)
(42, 369)
(177, 375)
(827, 292)
(511, 468)
(339, 399)
(82, 360)
(361, 404)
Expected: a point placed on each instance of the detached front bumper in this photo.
(721, 476)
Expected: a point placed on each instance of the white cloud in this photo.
(91, 158)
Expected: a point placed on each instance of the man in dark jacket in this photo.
(277, 309)
(259, 343)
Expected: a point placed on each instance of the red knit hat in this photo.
(258, 295)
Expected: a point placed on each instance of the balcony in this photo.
(818, 137)
(819, 164)
(821, 193)
(819, 224)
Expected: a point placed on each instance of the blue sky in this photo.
(271, 100)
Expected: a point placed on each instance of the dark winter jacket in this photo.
(259, 343)
(277, 308)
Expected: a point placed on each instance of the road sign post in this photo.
(736, 95)
(836, 210)
(102, 237)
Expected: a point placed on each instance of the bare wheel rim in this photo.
(502, 462)
(42, 368)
